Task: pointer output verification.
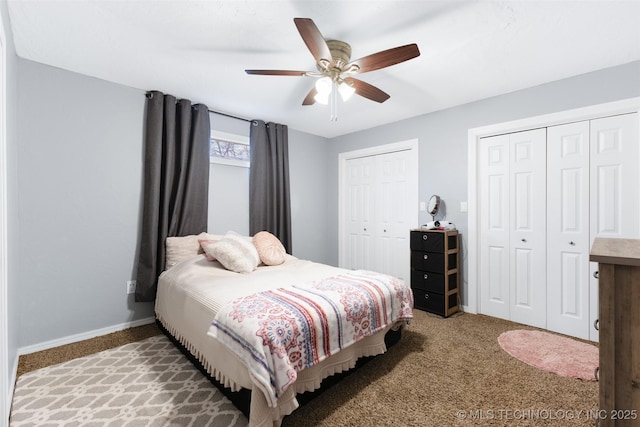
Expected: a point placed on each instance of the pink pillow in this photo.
(203, 245)
(270, 249)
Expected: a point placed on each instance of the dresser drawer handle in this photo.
(425, 256)
(426, 296)
(596, 274)
(425, 237)
(596, 324)
(426, 276)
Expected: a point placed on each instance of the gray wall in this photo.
(13, 325)
(309, 196)
(443, 137)
(80, 182)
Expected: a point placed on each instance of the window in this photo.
(229, 149)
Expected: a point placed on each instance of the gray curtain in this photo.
(176, 182)
(269, 203)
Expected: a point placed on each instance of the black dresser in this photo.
(434, 271)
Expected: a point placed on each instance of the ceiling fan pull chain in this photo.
(334, 103)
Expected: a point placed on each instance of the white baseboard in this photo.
(12, 383)
(83, 336)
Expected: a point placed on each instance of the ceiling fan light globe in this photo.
(346, 91)
(322, 98)
(323, 86)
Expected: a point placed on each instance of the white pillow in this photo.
(177, 249)
(235, 253)
(180, 248)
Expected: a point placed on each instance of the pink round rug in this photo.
(554, 353)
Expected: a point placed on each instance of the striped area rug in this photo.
(145, 383)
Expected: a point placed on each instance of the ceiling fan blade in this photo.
(276, 72)
(309, 99)
(314, 40)
(368, 91)
(385, 58)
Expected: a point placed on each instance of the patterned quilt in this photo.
(279, 332)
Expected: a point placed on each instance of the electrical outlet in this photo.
(131, 287)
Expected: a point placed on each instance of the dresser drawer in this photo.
(428, 301)
(430, 242)
(428, 281)
(427, 261)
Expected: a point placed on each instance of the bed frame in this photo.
(242, 398)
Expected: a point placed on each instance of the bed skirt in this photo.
(242, 398)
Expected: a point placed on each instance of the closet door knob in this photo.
(596, 324)
(596, 274)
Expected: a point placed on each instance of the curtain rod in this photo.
(229, 115)
(149, 95)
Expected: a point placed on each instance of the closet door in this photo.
(615, 183)
(494, 237)
(360, 187)
(391, 238)
(513, 236)
(592, 192)
(542, 203)
(568, 229)
(379, 212)
(528, 204)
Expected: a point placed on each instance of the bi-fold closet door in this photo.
(593, 191)
(378, 213)
(539, 218)
(513, 224)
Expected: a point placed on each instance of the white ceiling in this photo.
(199, 49)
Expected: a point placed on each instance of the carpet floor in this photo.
(443, 372)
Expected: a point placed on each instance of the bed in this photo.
(213, 313)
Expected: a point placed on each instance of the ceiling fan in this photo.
(335, 68)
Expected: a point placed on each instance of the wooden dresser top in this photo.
(616, 251)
